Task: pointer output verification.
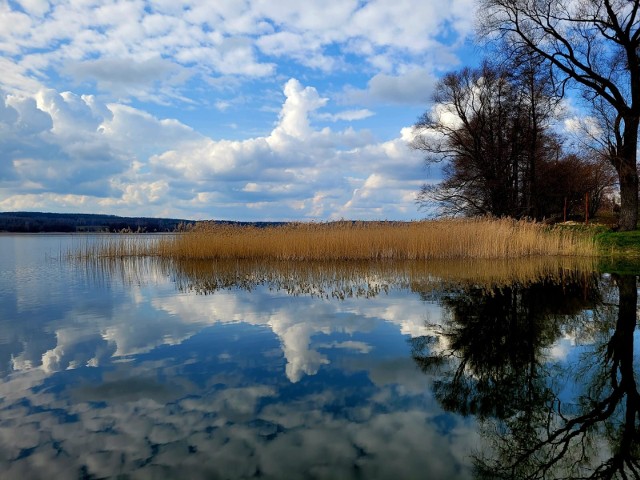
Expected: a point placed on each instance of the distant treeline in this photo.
(35, 222)
(39, 222)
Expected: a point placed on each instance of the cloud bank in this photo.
(73, 153)
(246, 110)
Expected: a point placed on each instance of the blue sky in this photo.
(222, 109)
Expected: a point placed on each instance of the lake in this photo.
(440, 370)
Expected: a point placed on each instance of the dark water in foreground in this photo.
(227, 370)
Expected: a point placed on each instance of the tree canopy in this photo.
(593, 45)
(490, 127)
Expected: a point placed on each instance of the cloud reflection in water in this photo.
(286, 376)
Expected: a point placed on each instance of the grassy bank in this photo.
(436, 239)
(619, 244)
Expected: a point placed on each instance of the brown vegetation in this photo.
(437, 239)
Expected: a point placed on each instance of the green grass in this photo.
(625, 244)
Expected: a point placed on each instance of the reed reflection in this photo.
(370, 278)
(338, 279)
(542, 415)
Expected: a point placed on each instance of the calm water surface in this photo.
(159, 370)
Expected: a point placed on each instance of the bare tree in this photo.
(490, 127)
(592, 44)
(480, 128)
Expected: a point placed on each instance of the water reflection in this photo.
(148, 369)
(121, 374)
(544, 415)
(336, 279)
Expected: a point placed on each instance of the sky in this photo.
(255, 110)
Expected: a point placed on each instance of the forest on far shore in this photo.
(39, 222)
(44, 222)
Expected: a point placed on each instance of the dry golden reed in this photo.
(114, 246)
(420, 240)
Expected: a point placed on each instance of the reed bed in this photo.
(420, 240)
(115, 246)
(443, 239)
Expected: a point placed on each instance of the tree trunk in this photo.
(628, 176)
(628, 200)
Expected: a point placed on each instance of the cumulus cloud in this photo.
(74, 152)
(28, 119)
(121, 46)
(294, 116)
(53, 145)
(313, 172)
(118, 107)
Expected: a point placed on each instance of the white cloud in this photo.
(222, 105)
(294, 116)
(121, 44)
(167, 105)
(413, 87)
(54, 146)
(144, 134)
(30, 119)
(64, 151)
(124, 77)
(348, 115)
(579, 126)
(315, 170)
(71, 115)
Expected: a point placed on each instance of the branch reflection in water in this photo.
(543, 415)
(499, 353)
